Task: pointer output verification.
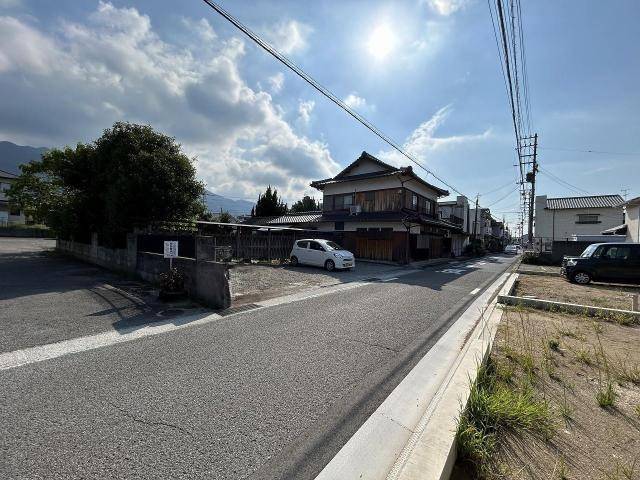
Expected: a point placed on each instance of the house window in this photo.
(327, 203)
(343, 202)
(588, 218)
(414, 202)
(14, 211)
(348, 200)
(338, 226)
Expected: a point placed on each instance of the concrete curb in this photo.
(390, 443)
(565, 307)
(432, 451)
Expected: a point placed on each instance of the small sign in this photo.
(170, 249)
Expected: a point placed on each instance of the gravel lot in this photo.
(251, 283)
(560, 290)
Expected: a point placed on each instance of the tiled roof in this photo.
(385, 170)
(5, 174)
(596, 201)
(292, 218)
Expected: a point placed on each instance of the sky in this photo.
(426, 72)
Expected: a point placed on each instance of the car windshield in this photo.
(589, 251)
(333, 246)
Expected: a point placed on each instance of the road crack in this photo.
(377, 345)
(137, 419)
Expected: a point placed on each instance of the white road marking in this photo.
(390, 279)
(474, 291)
(457, 271)
(49, 351)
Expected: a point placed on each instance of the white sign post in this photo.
(170, 251)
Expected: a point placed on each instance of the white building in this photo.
(8, 215)
(457, 212)
(562, 218)
(632, 219)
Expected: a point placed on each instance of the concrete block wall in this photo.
(205, 281)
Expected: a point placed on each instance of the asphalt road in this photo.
(46, 298)
(270, 393)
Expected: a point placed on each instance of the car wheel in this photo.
(330, 265)
(581, 278)
(294, 261)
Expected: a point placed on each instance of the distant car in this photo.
(321, 253)
(605, 262)
(513, 249)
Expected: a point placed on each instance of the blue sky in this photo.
(426, 72)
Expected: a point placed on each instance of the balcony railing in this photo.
(453, 219)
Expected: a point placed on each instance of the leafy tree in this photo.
(269, 204)
(307, 204)
(130, 176)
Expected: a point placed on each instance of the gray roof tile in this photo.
(596, 201)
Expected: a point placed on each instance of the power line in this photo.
(323, 90)
(503, 198)
(600, 152)
(511, 182)
(562, 182)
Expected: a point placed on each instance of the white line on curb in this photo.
(373, 450)
(474, 291)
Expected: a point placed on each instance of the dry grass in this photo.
(585, 373)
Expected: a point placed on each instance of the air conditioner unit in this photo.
(355, 209)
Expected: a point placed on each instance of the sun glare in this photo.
(381, 42)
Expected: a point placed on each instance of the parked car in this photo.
(607, 262)
(513, 249)
(322, 253)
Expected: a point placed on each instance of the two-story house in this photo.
(382, 212)
(8, 215)
(562, 218)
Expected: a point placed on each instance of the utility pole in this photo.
(625, 192)
(475, 222)
(530, 178)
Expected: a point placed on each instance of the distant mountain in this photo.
(12, 156)
(234, 207)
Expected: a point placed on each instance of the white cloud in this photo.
(357, 102)
(422, 143)
(305, 109)
(447, 7)
(289, 37)
(67, 87)
(276, 82)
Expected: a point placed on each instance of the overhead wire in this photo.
(324, 91)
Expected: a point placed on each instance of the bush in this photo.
(172, 281)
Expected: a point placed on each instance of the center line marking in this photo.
(389, 279)
(474, 291)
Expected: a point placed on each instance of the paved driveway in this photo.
(268, 393)
(45, 297)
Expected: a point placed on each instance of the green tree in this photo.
(269, 204)
(130, 176)
(307, 204)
